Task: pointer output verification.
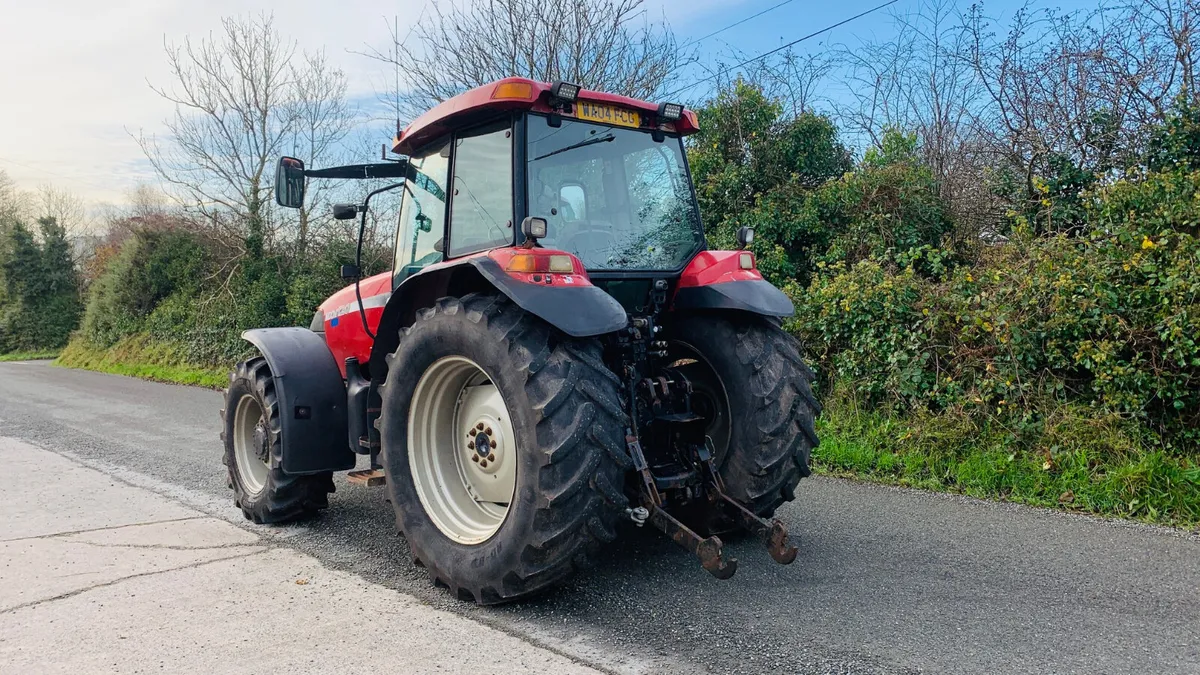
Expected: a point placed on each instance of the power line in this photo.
(781, 48)
(689, 43)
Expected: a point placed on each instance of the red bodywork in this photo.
(498, 97)
(343, 326)
(717, 267)
(344, 331)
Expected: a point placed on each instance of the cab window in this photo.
(423, 211)
(481, 205)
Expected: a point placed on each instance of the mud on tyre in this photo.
(254, 452)
(483, 382)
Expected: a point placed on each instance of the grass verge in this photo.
(27, 356)
(1077, 460)
(140, 356)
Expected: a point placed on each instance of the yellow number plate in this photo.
(608, 114)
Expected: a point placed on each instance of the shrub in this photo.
(149, 268)
(1108, 321)
(39, 302)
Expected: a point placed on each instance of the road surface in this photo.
(887, 581)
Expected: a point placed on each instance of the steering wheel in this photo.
(590, 238)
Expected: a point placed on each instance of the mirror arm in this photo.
(362, 230)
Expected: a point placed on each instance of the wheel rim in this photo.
(251, 444)
(462, 450)
(709, 398)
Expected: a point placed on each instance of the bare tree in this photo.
(65, 207)
(323, 119)
(242, 98)
(920, 81)
(608, 45)
(13, 201)
(794, 79)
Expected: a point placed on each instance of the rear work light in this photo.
(565, 91)
(746, 260)
(669, 112)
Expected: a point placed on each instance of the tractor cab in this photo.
(554, 351)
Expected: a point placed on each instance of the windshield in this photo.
(613, 197)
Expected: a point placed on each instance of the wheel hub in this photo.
(483, 445)
(262, 442)
(251, 444)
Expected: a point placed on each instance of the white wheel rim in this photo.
(251, 444)
(456, 416)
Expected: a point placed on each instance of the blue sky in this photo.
(79, 83)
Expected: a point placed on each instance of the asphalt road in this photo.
(887, 580)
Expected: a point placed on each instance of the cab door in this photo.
(420, 234)
(481, 200)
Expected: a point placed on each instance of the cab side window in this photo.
(423, 211)
(481, 208)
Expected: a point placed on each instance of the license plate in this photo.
(608, 114)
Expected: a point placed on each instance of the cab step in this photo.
(367, 477)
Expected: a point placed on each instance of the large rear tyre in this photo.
(503, 447)
(254, 452)
(752, 384)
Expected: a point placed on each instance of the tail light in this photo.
(541, 266)
(558, 263)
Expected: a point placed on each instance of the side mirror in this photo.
(350, 271)
(745, 237)
(289, 182)
(345, 211)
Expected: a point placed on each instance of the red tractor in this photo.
(554, 351)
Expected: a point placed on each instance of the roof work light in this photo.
(670, 112)
(565, 91)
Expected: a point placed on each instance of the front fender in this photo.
(312, 399)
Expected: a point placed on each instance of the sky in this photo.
(74, 84)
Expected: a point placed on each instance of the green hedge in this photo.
(1108, 320)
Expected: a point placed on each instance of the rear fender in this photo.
(577, 308)
(312, 399)
(716, 280)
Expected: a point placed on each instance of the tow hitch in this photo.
(720, 506)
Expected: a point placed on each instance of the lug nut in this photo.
(471, 444)
(474, 458)
(492, 457)
(483, 463)
(479, 426)
(488, 431)
(472, 432)
(493, 444)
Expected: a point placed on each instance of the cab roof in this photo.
(517, 93)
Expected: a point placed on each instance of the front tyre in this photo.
(503, 443)
(254, 452)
